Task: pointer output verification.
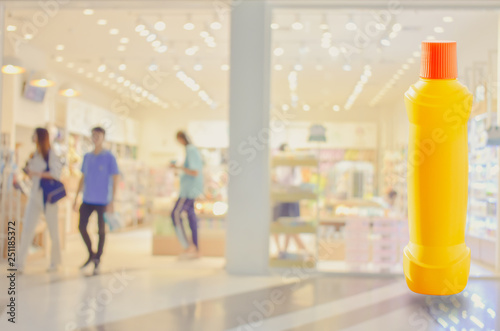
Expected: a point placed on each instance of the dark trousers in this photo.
(86, 210)
(186, 205)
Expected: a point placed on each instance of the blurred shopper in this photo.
(191, 187)
(99, 181)
(44, 163)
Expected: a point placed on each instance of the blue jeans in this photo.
(187, 205)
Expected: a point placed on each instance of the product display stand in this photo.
(298, 225)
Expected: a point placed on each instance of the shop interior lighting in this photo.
(208, 38)
(334, 51)
(216, 24)
(160, 25)
(195, 87)
(278, 51)
(438, 29)
(292, 85)
(114, 31)
(70, 65)
(278, 67)
(326, 39)
(12, 65)
(367, 73)
(189, 25)
(102, 22)
(390, 84)
(140, 27)
(224, 67)
(350, 25)
(121, 48)
(447, 19)
(59, 59)
(347, 67)
(324, 25)
(275, 26)
(88, 12)
(297, 25)
(69, 90)
(80, 70)
(11, 28)
(42, 79)
(122, 67)
(28, 36)
(124, 40)
(60, 47)
(336, 108)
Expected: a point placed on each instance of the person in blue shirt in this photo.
(99, 181)
(191, 187)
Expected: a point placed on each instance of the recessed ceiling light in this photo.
(111, 75)
(406, 66)
(401, 71)
(393, 35)
(438, 29)
(380, 26)
(126, 83)
(336, 108)
(224, 67)
(153, 67)
(151, 37)
(191, 50)
(11, 28)
(124, 40)
(334, 51)
(297, 26)
(447, 19)
(28, 36)
(101, 68)
(411, 60)
(162, 49)
(89, 75)
(285, 107)
(216, 25)
(385, 42)
(59, 58)
(80, 70)
(395, 76)
(122, 67)
(278, 67)
(306, 107)
(144, 33)
(347, 67)
(160, 25)
(156, 43)
(70, 65)
(275, 26)
(198, 67)
(351, 26)
(60, 47)
(189, 26)
(278, 51)
(114, 31)
(430, 37)
(88, 12)
(120, 79)
(102, 22)
(397, 27)
(121, 48)
(416, 54)
(298, 67)
(140, 27)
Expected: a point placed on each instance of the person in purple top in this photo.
(99, 181)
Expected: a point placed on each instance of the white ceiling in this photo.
(87, 45)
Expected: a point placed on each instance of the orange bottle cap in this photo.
(439, 60)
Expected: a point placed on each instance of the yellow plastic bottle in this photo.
(436, 260)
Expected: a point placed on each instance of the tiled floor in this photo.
(136, 291)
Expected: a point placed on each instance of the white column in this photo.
(498, 123)
(249, 215)
(2, 39)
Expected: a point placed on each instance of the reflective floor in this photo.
(136, 291)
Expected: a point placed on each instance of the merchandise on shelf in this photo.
(483, 182)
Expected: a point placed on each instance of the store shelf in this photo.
(293, 196)
(295, 161)
(278, 227)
